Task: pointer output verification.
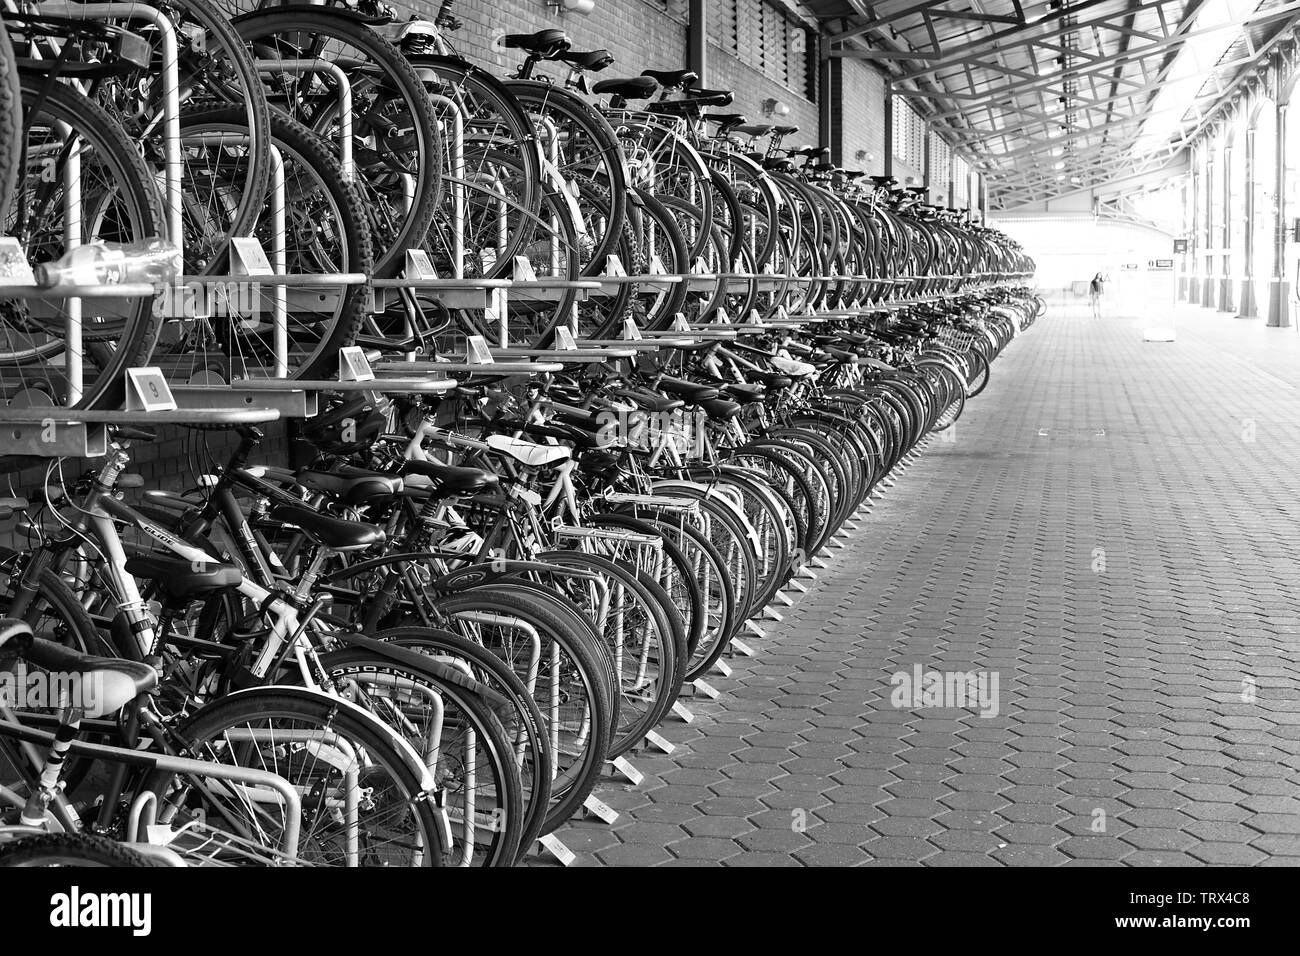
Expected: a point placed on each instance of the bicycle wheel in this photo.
(11, 130)
(561, 672)
(461, 741)
(368, 801)
(274, 332)
(69, 849)
(398, 162)
(525, 725)
(118, 203)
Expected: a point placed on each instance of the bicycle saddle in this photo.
(648, 400)
(673, 78)
(757, 129)
(747, 392)
(696, 100)
(771, 380)
(720, 409)
(726, 121)
(691, 392)
(350, 489)
(337, 534)
(633, 88)
(526, 452)
(179, 579)
(450, 477)
(546, 43)
(108, 683)
(785, 130)
(792, 367)
(593, 60)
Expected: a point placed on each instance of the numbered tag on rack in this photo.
(630, 331)
(477, 351)
(614, 266)
(720, 317)
(419, 265)
(147, 391)
(354, 366)
(564, 339)
(14, 267)
(657, 267)
(657, 740)
(524, 270)
(679, 323)
(248, 258)
(551, 844)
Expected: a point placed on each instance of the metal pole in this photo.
(1279, 288)
(889, 131)
(1208, 299)
(1247, 308)
(697, 42)
(1194, 283)
(1225, 277)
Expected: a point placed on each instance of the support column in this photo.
(889, 131)
(697, 43)
(1194, 284)
(1182, 265)
(1225, 277)
(1208, 287)
(1279, 288)
(1247, 309)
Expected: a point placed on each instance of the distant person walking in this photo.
(1095, 289)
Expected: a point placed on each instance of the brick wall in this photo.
(858, 115)
(642, 34)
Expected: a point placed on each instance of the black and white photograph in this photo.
(590, 435)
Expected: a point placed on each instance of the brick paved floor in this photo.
(1113, 531)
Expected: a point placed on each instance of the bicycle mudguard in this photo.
(428, 785)
(335, 11)
(418, 661)
(480, 575)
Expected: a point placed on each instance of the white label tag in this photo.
(624, 766)
(419, 265)
(354, 366)
(721, 317)
(564, 339)
(685, 715)
(599, 809)
(740, 647)
(557, 849)
(705, 689)
(657, 740)
(679, 323)
(147, 391)
(14, 267)
(722, 667)
(248, 258)
(614, 266)
(524, 270)
(478, 351)
(630, 331)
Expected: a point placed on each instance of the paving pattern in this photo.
(1113, 530)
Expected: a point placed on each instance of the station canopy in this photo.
(1049, 99)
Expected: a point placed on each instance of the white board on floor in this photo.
(1159, 288)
